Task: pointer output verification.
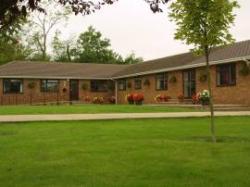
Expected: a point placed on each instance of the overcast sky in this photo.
(132, 27)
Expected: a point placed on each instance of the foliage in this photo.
(245, 69)
(204, 24)
(92, 48)
(11, 10)
(42, 26)
(173, 79)
(132, 59)
(162, 98)
(31, 85)
(11, 47)
(146, 82)
(63, 51)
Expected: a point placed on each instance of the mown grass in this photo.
(81, 109)
(126, 153)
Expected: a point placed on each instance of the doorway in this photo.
(189, 84)
(74, 90)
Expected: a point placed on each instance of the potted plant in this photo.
(146, 82)
(138, 98)
(112, 100)
(204, 97)
(31, 85)
(98, 100)
(87, 99)
(245, 69)
(129, 99)
(203, 78)
(162, 98)
(173, 79)
(84, 86)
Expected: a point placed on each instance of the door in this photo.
(189, 86)
(74, 90)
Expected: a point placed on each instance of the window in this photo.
(226, 75)
(99, 86)
(122, 84)
(138, 83)
(161, 81)
(49, 85)
(12, 86)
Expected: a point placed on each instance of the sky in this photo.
(132, 27)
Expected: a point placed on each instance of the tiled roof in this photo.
(28, 69)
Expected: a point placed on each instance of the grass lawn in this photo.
(131, 153)
(78, 109)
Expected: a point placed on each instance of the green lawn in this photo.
(131, 153)
(78, 109)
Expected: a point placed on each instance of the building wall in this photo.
(150, 92)
(35, 96)
(87, 93)
(238, 94)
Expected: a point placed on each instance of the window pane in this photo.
(99, 86)
(226, 75)
(13, 86)
(138, 83)
(122, 85)
(161, 81)
(49, 85)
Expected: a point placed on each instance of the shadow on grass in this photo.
(220, 139)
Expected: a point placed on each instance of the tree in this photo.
(132, 59)
(10, 10)
(93, 48)
(204, 24)
(11, 47)
(63, 51)
(42, 25)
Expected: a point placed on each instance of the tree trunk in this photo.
(211, 103)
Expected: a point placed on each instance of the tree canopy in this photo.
(10, 10)
(204, 24)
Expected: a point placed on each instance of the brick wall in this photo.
(34, 95)
(150, 92)
(238, 94)
(83, 93)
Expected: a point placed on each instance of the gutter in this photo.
(185, 67)
(59, 78)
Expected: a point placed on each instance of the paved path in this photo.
(68, 117)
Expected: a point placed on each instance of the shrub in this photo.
(112, 100)
(138, 98)
(98, 100)
(87, 99)
(162, 98)
(129, 98)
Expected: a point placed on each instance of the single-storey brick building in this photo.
(23, 82)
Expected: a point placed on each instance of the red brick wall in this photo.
(238, 94)
(32, 96)
(150, 92)
(88, 93)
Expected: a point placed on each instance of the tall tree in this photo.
(204, 24)
(10, 10)
(93, 48)
(132, 59)
(11, 47)
(63, 50)
(42, 24)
